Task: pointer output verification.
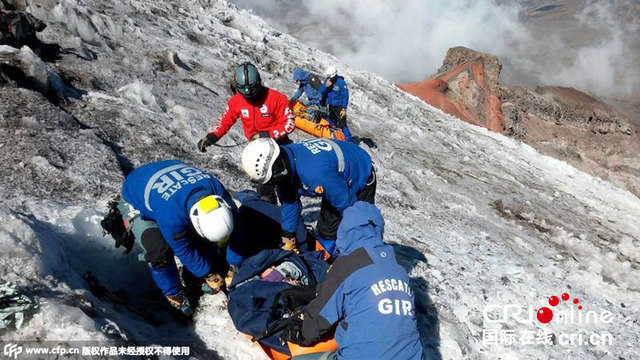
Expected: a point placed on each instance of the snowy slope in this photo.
(479, 219)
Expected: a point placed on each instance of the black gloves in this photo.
(261, 134)
(293, 332)
(208, 140)
(297, 297)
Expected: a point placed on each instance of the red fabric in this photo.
(270, 113)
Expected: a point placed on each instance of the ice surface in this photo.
(477, 218)
(141, 94)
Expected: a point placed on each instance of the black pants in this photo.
(334, 116)
(330, 217)
(156, 249)
(268, 191)
(158, 253)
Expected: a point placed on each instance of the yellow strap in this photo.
(208, 204)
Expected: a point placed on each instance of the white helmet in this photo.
(331, 71)
(212, 218)
(258, 159)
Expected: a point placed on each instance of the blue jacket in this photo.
(335, 95)
(307, 86)
(164, 192)
(335, 170)
(367, 293)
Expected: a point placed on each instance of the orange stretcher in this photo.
(320, 129)
(329, 345)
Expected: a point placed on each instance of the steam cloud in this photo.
(610, 64)
(405, 41)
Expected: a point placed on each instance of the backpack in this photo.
(315, 81)
(113, 224)
(18, 28)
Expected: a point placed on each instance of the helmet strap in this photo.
(255, 97)
(281, 169)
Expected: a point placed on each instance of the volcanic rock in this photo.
(564, 122)
(467, 87)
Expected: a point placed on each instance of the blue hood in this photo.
(362, 226)
(300, 75)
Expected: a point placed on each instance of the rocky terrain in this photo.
(466, 87)
(566, 123)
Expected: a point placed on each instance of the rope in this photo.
(230, 146)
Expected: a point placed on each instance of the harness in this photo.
(315, 81)
(339, 154)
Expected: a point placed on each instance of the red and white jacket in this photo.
(270, 113)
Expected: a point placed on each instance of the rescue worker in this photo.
(338, 171)
(264, 113)
(365, 289)
(335, 95)
(308, 84)
(176, 209)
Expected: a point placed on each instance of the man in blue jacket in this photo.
(171, 207)
(309, 84)
(338, 171)
(335, 95)
(366, 293)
